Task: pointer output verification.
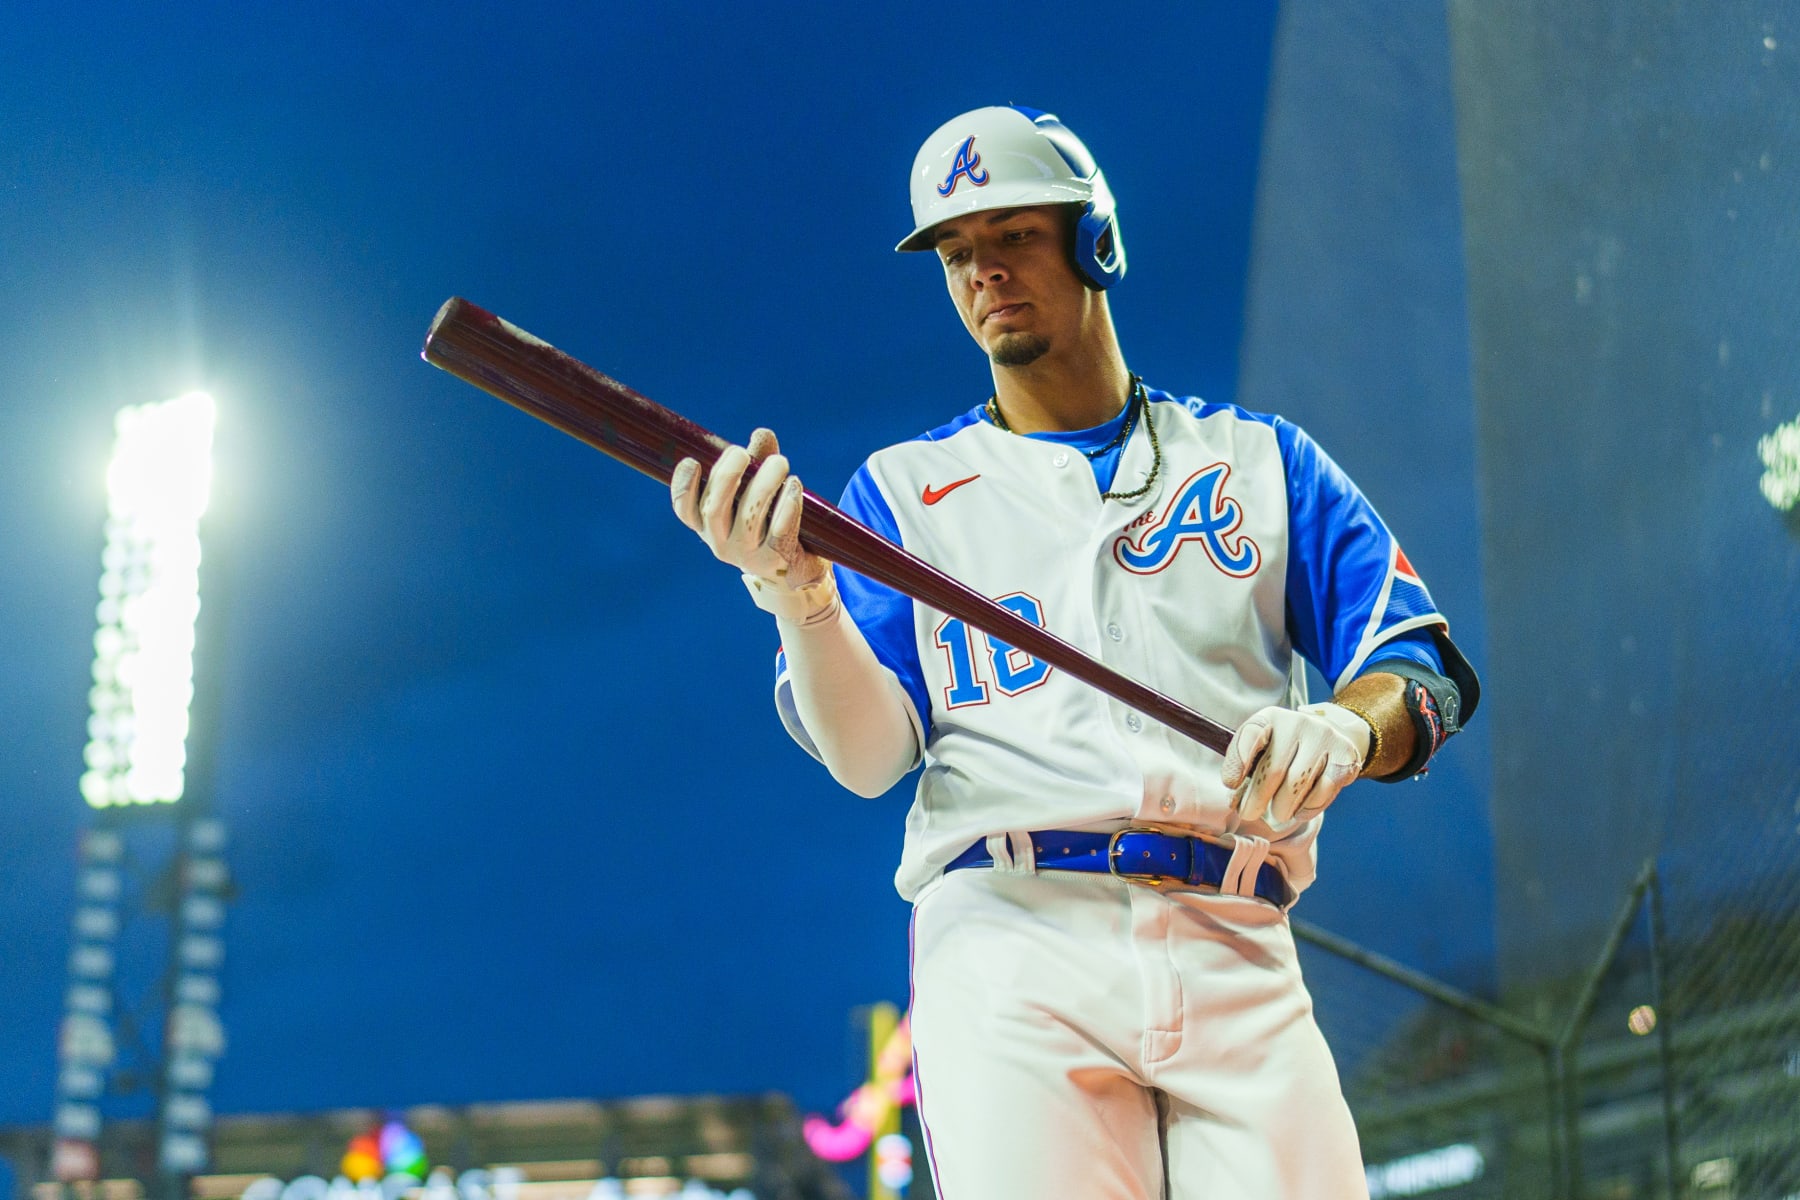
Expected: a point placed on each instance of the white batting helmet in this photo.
(1008, 157)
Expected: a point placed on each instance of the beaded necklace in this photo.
(1140, 406)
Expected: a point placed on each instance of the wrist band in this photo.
(802, 606)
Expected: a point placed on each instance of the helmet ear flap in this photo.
(1098, 251)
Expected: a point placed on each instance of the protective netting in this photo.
(1444, 1103)
(1674, 1053)
(1734, 1007)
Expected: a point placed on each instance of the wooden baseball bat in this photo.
(529, 373)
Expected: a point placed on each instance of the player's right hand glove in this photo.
(759, 531)
(1284, 765)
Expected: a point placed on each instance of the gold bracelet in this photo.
(1374, 733)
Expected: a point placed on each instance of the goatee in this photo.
(1019, 349)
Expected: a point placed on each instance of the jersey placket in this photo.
(1109, 613)
(1120, 619)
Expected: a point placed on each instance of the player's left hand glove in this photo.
(1284, 765)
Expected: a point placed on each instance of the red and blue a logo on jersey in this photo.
(1200, 512)
(967, 166)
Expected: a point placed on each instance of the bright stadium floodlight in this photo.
(1780, 452)
(157, 489)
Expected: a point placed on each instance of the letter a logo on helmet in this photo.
(1027, 158)
(967, 165)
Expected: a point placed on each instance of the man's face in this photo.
(1010, 278)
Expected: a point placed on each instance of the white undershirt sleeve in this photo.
(848, 710)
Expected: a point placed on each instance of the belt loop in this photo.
(999, 851)
(1248, 853)
(1024, 851)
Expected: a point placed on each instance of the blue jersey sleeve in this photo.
(884, 615)
(1352, 596)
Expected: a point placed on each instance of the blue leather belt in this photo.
(1141, 854)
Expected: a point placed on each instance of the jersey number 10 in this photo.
(1011, 671)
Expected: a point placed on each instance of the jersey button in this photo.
(1060, 459)
(1133, 722)
(1114, 632)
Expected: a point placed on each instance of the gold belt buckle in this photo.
(1112, 859)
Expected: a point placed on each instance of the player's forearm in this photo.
(849, 703)
(1380, 698)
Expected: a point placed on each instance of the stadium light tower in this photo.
(157, 488)
(136, 774)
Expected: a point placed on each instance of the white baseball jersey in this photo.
(1250, 545)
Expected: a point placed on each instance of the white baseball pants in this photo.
(1080, 1036)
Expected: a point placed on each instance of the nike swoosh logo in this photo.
(933, 495)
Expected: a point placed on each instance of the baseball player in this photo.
(1106, 997)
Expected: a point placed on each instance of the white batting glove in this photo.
(758, 532)
(1284, 764)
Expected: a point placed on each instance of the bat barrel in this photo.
(530, 374)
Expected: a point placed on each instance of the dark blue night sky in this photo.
(474, 679)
